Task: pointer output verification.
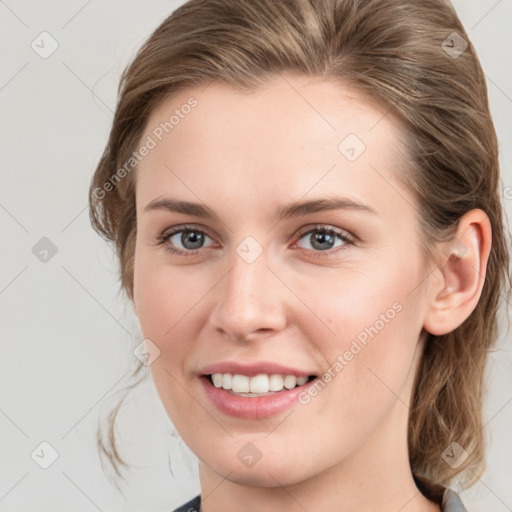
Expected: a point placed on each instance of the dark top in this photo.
(450, 502)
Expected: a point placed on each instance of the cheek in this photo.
(374, 320)
(166, 302)
(165, 298)
(162, 293)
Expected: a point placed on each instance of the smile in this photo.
(254, 406)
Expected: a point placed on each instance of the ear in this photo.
(462, 266)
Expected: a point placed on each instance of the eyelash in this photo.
(328, 230)
(342, 235)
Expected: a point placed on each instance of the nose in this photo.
(249, 301)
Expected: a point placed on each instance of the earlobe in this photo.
(463, 263)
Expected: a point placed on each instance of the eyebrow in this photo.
(296, 209)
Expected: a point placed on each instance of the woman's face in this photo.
(328, 289)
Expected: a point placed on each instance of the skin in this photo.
(243, 155)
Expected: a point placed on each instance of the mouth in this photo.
(254, 397)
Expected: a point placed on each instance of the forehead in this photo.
(297, 108)
(292, 135)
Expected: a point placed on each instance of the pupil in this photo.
(322, 240)
(191, 239)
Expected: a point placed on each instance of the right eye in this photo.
(190, 238)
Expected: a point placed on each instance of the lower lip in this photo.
(252, 408)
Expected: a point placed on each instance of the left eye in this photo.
(324, 239)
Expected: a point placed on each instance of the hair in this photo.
(393, 52)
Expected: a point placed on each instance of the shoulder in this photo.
(452, 502)
(191, 506)
(447, 498)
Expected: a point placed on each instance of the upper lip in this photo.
(252, 369)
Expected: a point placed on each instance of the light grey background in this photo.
(67, 338)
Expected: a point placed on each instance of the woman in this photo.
(304, 198)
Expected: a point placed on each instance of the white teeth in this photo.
(259, 384)
(290, 381)
(276, 383)
(226, 380)
(217, 380)
(301, 381)
(240, 384)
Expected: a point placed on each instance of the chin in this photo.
(264, 477)
(268, 473)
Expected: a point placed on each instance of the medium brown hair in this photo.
(399, 53)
